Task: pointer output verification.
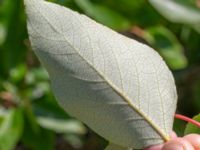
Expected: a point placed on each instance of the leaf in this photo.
(39, 139)
(104, 15)
(13, 20)
(2, 33)
(116, 147)
(62, 126)
(11, 129)
(119, 87)
(191, 128)
(18, 73)
(177, 12)
(167, 45)
(45, 139)
(178, 127)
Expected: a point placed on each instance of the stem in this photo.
(194, 122)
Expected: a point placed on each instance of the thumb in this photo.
(155, 147)
(178, 144)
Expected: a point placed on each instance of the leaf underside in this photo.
(112, 146)
(119, 87)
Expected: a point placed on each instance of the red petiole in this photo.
(178, 116)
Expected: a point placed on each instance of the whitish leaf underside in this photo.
(119, 87)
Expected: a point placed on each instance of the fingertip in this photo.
(154, 147)
(173, 135)
(178, 144)
(194, 139)
(173, 146)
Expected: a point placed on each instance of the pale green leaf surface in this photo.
(62, 126)
(167, 45)
(191, 128)
(119, 87)
(178, 13)
(112, 146)
(11, 129)
(2, 33)
(104, 15)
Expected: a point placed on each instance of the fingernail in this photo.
(173, 146)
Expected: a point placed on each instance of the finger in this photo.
(178, 144)
(194, 139)
(155, 147)
(159, 147)
(173, 135)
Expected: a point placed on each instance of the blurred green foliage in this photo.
(30, 118)
(191, 128)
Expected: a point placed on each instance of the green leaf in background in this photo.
(178, 12)
(167, 45)
(44, 140)
(104, 15)
(48, 106)
(137, 12)
(62, 126)
(190, 128)
(2, 33)
(40, 139)
(3, 113)
(11, 129)
(12, 18)
(179, 127)
(17, 74)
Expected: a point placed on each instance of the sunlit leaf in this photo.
(104, 15)
(2, 33)
(112, 146)
(178, 12)
(62, 126)
(17, 74)
(191, 128)
(11, 129)
(167, 45)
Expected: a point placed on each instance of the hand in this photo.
(188, 142)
